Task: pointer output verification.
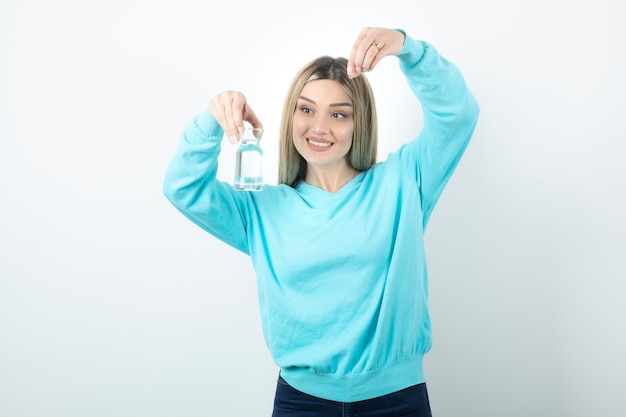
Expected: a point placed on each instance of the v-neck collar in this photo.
(311, 191)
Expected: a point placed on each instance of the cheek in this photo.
(348, 133)
(296, 132)
(298, 125)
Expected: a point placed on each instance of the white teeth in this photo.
(322, 144)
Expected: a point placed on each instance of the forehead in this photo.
(325, 92)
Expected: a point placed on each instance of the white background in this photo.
(113, 304)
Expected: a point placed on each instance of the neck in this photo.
(331, 181)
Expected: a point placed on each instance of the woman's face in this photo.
(323, 124)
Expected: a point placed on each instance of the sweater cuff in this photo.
(412, 51)
(203, 131)
(208, 127)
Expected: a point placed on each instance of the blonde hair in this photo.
(362, 155)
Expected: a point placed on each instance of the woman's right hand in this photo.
(231, 110)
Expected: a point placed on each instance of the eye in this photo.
(305, 109)
(339, 115)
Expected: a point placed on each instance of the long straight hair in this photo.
(362, 155)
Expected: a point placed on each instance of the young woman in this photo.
(338, 244)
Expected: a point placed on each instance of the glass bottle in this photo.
(248, 161)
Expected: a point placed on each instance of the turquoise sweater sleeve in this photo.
(191, 184)
(450, 114)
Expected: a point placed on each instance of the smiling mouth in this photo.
(319, 144)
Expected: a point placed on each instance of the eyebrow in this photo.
(346, 104)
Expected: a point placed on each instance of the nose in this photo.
(320, 126)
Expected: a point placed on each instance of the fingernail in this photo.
(233, 139)
(358, 70)
(350, 69)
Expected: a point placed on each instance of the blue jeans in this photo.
(409, 402)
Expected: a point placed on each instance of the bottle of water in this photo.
(248, 161)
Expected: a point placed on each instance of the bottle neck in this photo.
(250, 141)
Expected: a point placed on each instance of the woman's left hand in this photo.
(372, 45)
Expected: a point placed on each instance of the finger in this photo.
(221, 108)
(236, 113)
(217, 108)
(251, 117)
(372, 55)
(231, 106)
(355, 61)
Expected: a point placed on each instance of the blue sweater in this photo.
(342, 278)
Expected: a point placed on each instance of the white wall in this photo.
(113, 304)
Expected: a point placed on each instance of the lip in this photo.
(326, 144)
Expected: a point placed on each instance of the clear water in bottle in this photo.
(248, 165)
